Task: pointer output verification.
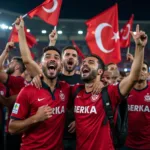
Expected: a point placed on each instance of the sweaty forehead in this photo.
(71, 51)
(90, 58)
(51, 52)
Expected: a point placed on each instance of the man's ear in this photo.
(100, 72)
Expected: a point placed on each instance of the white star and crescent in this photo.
(53, 8)
(127, 35)
(98, 37)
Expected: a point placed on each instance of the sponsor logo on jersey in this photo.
(94, 97)
(139, 108)
(147, 97)
(16, 108)
(85, 109)
(62, 96)
(58, 110)
(40, 99)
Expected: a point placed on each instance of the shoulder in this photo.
(63, 84)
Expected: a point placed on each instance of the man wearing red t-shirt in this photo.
(33, 108)
(92, 134)
(14, 82)
(138, 114)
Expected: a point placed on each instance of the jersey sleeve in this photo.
(22, 106)
(15, 82)
(114, 94)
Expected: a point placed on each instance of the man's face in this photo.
(89, 69)
(144, 73)
(51, 64)
(70, 60)
(11, 67)
(114, 76)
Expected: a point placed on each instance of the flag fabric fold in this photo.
(48, 11)
(125, 33)
(103, 35)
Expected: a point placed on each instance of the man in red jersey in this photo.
(47, 132)
(13, 82)
(139, 114)
(92, 134)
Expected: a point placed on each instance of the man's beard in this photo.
(10, 71)
(90, 77)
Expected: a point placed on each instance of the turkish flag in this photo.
(78, 50)
(48, 11)
(103, 35)
(125, 33)
(31, 40)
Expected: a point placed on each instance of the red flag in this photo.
(48, 11)
(31, 40)
(125, 33)
(103, 36)
(78, 50)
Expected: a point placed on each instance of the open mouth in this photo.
(70, 63)
(85, 71)
(52, 68)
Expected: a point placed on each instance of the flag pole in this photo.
(128, 50)
(22, 17)
(55, 27)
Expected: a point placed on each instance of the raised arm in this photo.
(5, 54)
(53, 38)
(30, 64)
(127, 83)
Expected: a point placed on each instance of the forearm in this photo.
(20, 126)
(24, 49)
(30, 64)
(52, 43)
(137, 63)
(3, 57)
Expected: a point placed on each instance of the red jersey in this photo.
(139, 119)
(47, 135)
(92, 134)
(3, 93)
(15, 84)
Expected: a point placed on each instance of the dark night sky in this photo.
(85, 9)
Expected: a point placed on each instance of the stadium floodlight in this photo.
(3, 26)
(44, 31)
(59, 32)
(125, 69)
(28, 30)
(10, 27)
(80, 32)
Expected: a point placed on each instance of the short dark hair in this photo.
(48, 48)
(146, 63)
(20, 62)
(123, 74)
(69, 47)
(100, 61)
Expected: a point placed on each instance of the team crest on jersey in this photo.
(147, 97)
(94, 97)
(62, 96)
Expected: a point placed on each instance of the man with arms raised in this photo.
(92, 134)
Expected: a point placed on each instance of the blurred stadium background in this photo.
(67, 29)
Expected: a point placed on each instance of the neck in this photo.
(51, 83)
(16, 73)
(67, 73)
(89, 86)
(140, 85)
